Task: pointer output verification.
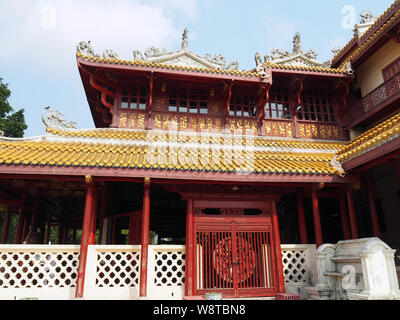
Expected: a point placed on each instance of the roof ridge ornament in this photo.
(295, 58)
(184, 57)
(85, 48)
(185, 39)
(55, 119)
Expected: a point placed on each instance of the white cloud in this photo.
(279, 34)
(46, 33)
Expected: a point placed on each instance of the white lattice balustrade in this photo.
(117, 269)
(298, 262)
(38, 267)
(166, 271)
(113, 272)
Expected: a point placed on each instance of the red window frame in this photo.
(188, 100)
(316, 106)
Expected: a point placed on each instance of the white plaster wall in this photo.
(369, 74)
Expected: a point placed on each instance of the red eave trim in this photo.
(47, 171)
(207, 75)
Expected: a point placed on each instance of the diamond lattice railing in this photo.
(118, 269)
(45, 268)
(169, 269)
(295, 266)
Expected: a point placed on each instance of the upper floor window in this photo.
(316, 106)
(242, 106)
(134, 98)
(188, 100)
(278, 105)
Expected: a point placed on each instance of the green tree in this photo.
(12, 123)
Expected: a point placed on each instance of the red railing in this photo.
(372, 101)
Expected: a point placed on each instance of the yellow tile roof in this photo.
(305, 68)
(378, 135)
(182, 153)
(183, 137)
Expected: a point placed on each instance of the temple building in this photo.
(200, 177)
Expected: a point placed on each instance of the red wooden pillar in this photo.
(372, 206)
(189, 248)
(278, 251)
(301, 219)
(25, 228)
(32, 227)
(21, 216)
(103, 209)
(145, 237)
(92, 232)
(6, 226)
(343, 218)
(352, 214)
(87, 217)
(317, 218)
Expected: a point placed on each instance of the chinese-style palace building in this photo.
(198, 174)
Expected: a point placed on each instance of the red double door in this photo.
(235, 252)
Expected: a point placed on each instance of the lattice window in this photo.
(38, 269)
(242, 106)
(316, 106)
(169, 268)
(294, 266)
(188, 100)
(117, 269)
(134, 98)
(278, 105)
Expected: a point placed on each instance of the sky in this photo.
(39, 38)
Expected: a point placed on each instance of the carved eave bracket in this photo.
(151, 77)
(227, 100)
(342, 91)
(261, 102)
(296, 89)
(104, 93)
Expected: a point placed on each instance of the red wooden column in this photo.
(87, 218)
(343, 218)
(317, 218)
(92, 232)
(301, 219)
(278, 250)
(32, 227)
(103, 209)
(189, 248)
(21, 216)
(145, 238)
(352, 214)
(372, 206)
(6, 226)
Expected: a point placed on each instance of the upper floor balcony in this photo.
(376, 103)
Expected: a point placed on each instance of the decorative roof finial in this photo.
(185, 39)
(297, 43)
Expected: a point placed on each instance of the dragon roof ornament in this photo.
(55, 119)
(184, 57)
(295, 58)
(367, 19)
